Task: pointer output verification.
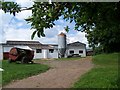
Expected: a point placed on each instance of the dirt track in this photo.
(63, 74)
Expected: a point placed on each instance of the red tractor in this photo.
(24, 54)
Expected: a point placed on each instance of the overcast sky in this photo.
(16, 28)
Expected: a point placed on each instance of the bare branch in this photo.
(25, 8)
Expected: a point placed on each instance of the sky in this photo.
(16, 28)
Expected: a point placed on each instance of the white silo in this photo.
(1, 52)
(61, 44)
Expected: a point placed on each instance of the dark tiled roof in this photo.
(37, 44)
(50, 44)
(31, 44)
(41, 46)
(76, 44)
(23, 42)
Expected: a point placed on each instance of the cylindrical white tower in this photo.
(1, 52)
(61, 44)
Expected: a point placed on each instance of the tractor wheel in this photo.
(31, 62)
(23, 60)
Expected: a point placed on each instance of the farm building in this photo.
(1, 52)
(76, 48)
(45, 50)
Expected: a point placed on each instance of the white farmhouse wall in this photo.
(1, 52)
(38, 55)
(45, 54)
(7, 48)
(76, 50)
(54, 54)
(84, 53)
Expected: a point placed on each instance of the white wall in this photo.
(54, 54)
(38, 55)
(45, 54)
(7, 48)
(1, 52)
(76, 50)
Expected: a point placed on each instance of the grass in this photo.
(103, 75)
(71, 58)
(13, 71)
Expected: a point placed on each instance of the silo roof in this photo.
(62, 34)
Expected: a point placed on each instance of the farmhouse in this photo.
(44, 50)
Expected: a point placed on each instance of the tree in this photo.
(100, 21)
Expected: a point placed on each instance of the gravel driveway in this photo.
(63, 74)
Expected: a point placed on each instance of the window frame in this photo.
(51, 50)
(80, 51)
(71, 51)
(38, 50)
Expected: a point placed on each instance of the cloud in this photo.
(13, 28)
(51, 35)
(22, 3)
(16, 28)
(8, 0)
(51, 32)
(1, 15)
(20, 24)
(5, 19)
(46, 40)
(14, 33)
(25, 3)
(23, 15)
(78, 36)
(20, 34)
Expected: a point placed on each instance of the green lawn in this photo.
(13, 71)
(103, 75)
(0, 79)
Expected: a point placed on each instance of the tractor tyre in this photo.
(31, 62)
(23, 60)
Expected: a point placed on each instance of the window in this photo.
(51, 50)
(71, 52)
(38, 51)
(80, 51)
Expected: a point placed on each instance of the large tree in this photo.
(100, 21)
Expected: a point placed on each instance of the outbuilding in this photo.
(46, 50)
(76, 48)
(1, 52)
(43, 50)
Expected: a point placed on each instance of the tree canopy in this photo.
(100, 21)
